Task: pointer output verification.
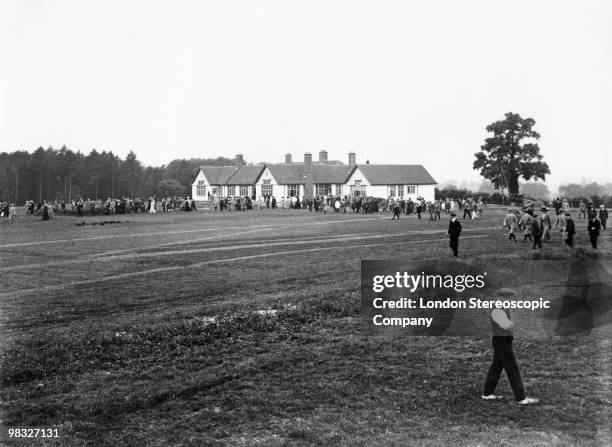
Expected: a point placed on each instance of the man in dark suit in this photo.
(454, 230)
(396, 210)
(570, 230)
(594, 227)
(536, 232)
(603, 216)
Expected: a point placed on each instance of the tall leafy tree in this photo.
(510, 153)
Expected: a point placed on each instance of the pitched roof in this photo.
(322, 173)
(246, 175)
(396, 174)
(287, 173)
(218, 175)
(293, 173)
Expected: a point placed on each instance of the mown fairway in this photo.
(143, 332)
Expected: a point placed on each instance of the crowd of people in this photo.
(81, 207)
(536, 228)
(541, 227)
(8, 211)
(472, 208)
(322, 204)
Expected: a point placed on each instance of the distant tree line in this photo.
(63, 174)
(573, 190)
(600, 194)
(452, 192)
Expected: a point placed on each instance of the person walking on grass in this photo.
(581, 210)
(525, 222)
(467, 210)
(536, 232)
(603, 216)
(510, 222)
(560, 223)
(570, 230)
(502, 327)
(396, 210)
(454, 230)
(593, 229)
(437, 209)
(545, 224)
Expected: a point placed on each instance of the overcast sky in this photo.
(395, 81)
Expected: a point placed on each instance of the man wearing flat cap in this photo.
(503, 355)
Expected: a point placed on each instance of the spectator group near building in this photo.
(308, 179)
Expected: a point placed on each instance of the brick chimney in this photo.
(323, 156)
(288, 158)
(352, 159)
(239, 160)
(308, 180)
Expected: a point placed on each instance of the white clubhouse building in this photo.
(308, 179)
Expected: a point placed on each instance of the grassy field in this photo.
(233, 329)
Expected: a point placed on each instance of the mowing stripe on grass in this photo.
(116, 236)
(207, 239)
(201, 264)
(163, 233)
(103, 257)
(243, 246)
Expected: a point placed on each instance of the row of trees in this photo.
(574, 190)
(63, 174)
(600, 194)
